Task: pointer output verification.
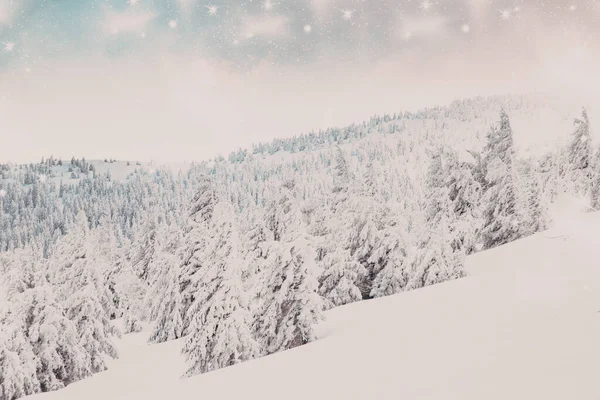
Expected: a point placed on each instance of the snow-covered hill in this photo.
(525, 324)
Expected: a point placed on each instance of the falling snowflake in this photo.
(573, 7)
(172, 24)
(307, 28)
(465, 28)
(426, 5)
(133, 2)
(347, 14)
(8, 46)
(212, 9)
(143, 35)
(504, 14)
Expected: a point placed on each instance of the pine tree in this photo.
(595, 194)
(17, 365)
(393, 256)
(580, 156)
(194, 243)
(219, 333)
(83, 295)
(464, 192)
(291, 304)
(55, 343)
(165, 301)
(342, 273)
(501, 222)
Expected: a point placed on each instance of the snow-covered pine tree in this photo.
(18, 364)
(364, 231)
(55, 343)
(143, 247)
(219, 334)
(399, 241)
(82, 293)
(501, 223)
(595, 194)
(193, 252)
(257, 249)
(291, 305)
(105, 235)
(165, 301)
(392, 260)
(132, 294)
(580, 156)
(441, 253)
(342, 273)
(464, 192)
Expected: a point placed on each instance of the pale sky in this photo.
(173, 80)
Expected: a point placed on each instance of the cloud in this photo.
(266, 26)
(127, 21)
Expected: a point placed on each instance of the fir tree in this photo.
(83, 295)
(291, 304)
(580, 156)
(195, 243)
(500, 219)
(219, 333)
(165, 301)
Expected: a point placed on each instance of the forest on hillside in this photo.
(240, 257)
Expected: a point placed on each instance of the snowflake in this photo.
(504, 14)
(172, 24)
(307, 28)
(347, 14)
(133, 2)
(573, 7)
(426, 5)
(212, 9)
(465, 28)
(8, 46)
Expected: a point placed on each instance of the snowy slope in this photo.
(524, 325)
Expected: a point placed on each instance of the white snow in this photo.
(524, 325)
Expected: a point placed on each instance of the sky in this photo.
(185, 80)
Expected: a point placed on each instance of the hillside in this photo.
(523, 325)
(236, 259)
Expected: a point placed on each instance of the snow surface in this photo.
(524, 325)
